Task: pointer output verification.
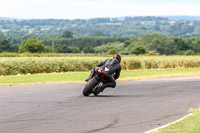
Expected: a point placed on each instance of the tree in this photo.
(1, 35)
(160, 43)
(75, 49)
(138, 50)
(127, 43)
(4, 45)
(66, 49)
(32, 45)
(181, 45)
(194, 44)
(98, 33)
(88, 49)
(48, 49)
(67, 34)
(14, 48)
(112, 51)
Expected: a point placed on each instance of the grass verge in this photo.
(81, 76)
(188, 125)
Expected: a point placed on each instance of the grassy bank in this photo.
(81, 76)
(188, 125)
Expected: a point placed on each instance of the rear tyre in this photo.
(89, 87)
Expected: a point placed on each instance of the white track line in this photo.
(168, 124)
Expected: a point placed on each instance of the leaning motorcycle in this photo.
(94, 85)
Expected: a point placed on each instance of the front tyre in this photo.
(89, 87)
(96, 93)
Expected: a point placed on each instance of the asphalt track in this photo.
(131, 107)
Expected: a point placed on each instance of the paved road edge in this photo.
(155, 129)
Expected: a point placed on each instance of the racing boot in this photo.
(98, 89)
(103, 87)
(90, 77)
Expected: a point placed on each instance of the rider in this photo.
(110, 67)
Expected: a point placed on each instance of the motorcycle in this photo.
(94, 85)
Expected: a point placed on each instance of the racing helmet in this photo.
(117, 57)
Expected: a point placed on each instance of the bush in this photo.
(24, 65)
(189, 52)
(148, 64)
(134, 64)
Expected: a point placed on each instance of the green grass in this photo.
(152, 72)
(190, 124)
(44, 78)
(81, 76)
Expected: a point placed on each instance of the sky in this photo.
(85, 9)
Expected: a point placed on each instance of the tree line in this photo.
(110, 27)
(69, 42)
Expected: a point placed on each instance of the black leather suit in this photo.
(110, 67)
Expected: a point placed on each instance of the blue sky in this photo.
(73, 9)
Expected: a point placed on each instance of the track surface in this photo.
(131, 107)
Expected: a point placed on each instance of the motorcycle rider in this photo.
(111, 68)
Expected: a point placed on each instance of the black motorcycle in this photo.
(94, 85)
